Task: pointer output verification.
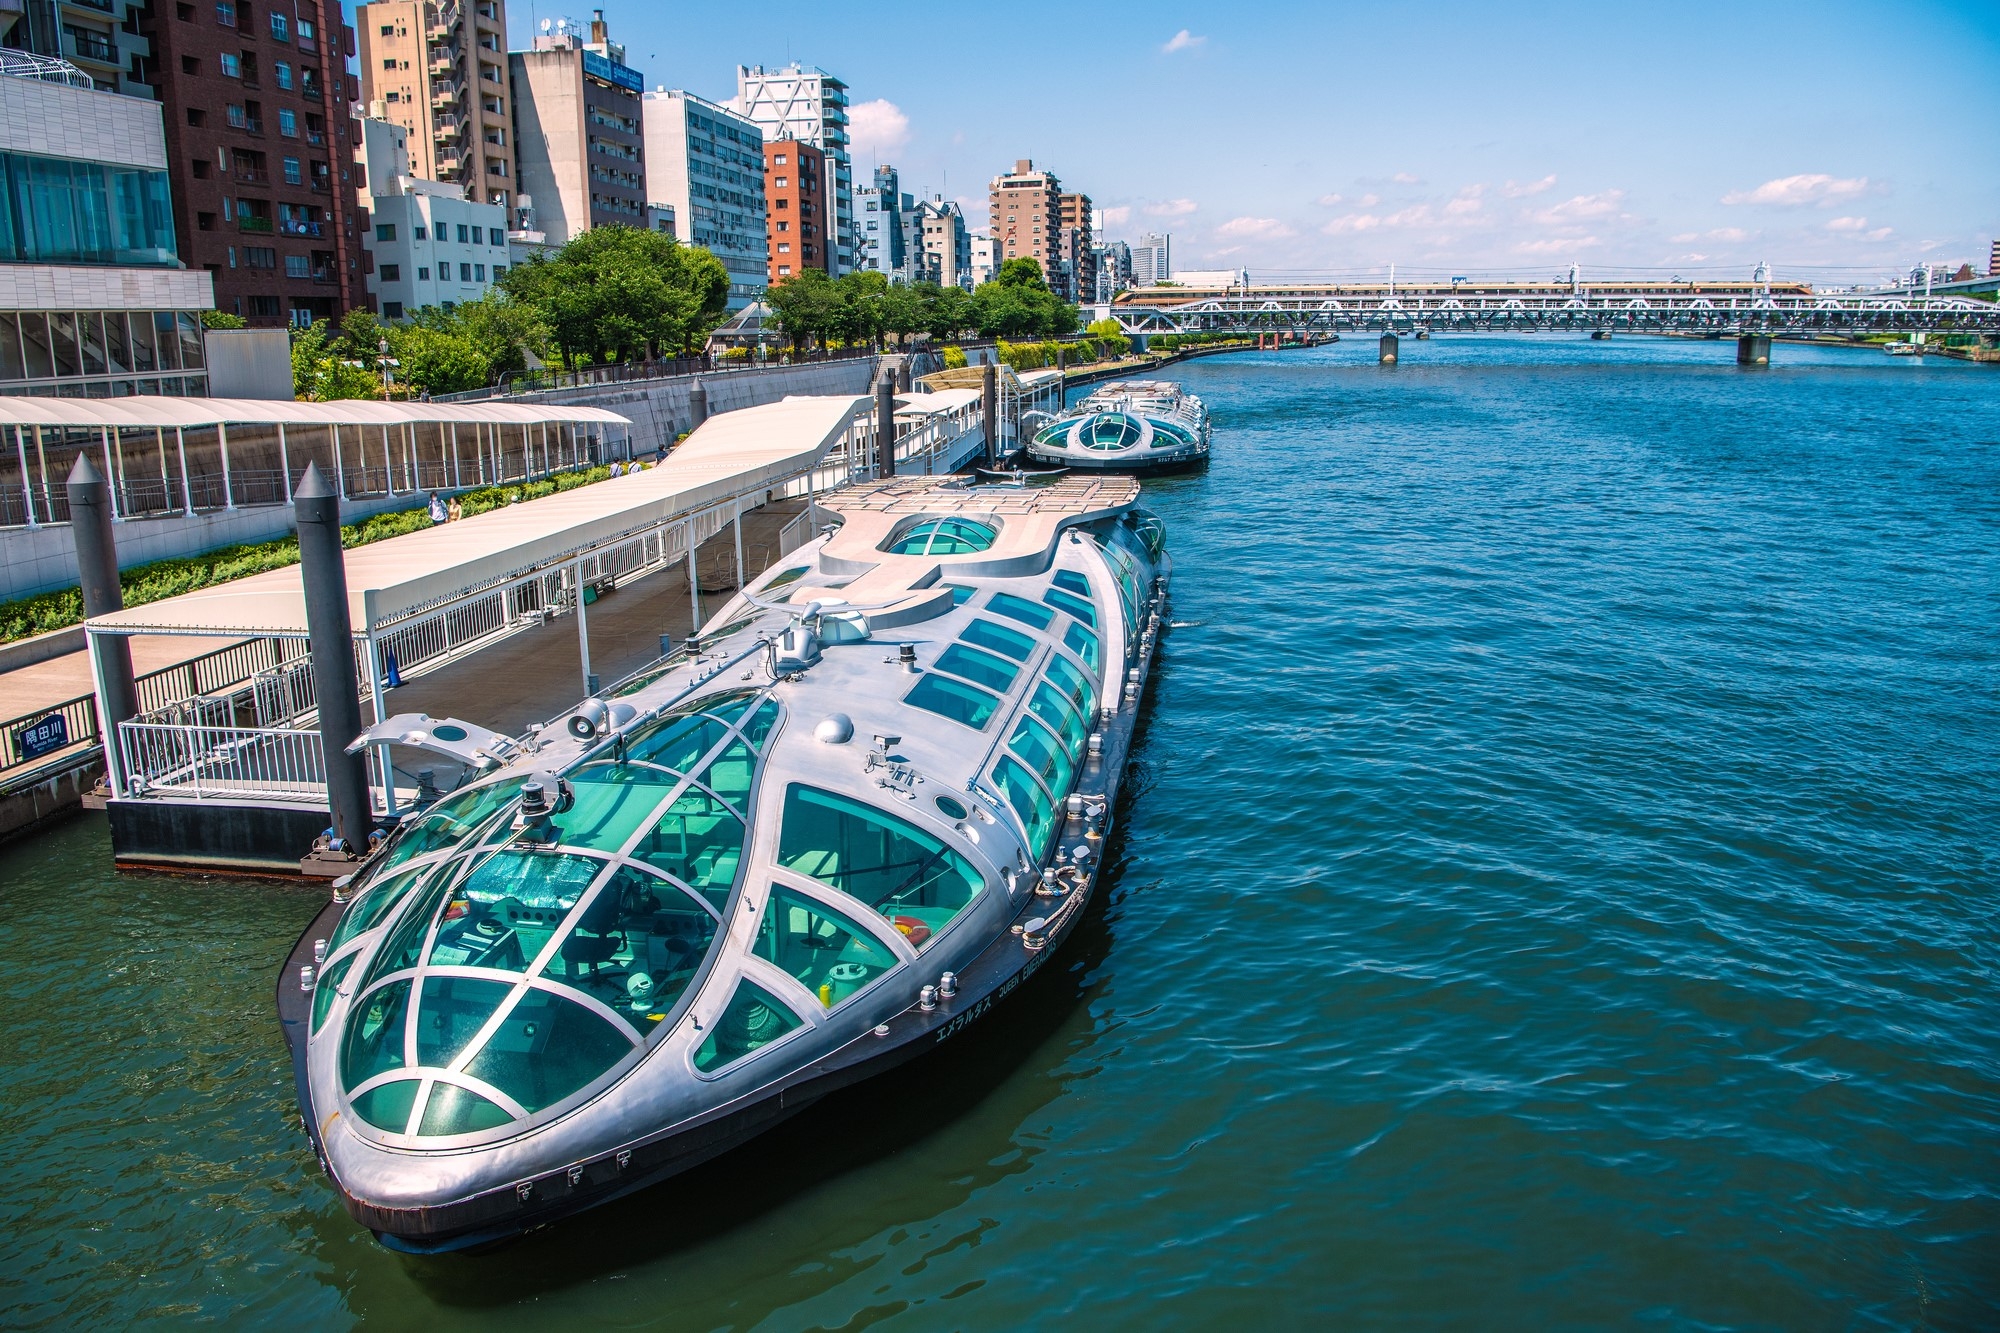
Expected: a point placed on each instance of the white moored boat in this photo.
(866, 807)
(1133, 426)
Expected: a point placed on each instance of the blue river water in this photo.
(1559, 890)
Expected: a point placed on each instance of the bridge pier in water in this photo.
(1391, 345)
(1753, 349)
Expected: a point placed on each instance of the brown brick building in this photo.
(1027, 217)
(798, 211)
(1076, 276)
(259, 146)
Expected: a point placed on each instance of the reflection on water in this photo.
(1557, 889)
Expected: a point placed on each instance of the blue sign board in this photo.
(601, 67)
(44, 737)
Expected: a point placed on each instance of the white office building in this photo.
(809, 105)
(947, 245)
(707, 163)
(1151, 264)
(428, 244)
(985, 262)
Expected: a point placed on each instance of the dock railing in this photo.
(195, 763)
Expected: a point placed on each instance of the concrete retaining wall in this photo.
(28, 803)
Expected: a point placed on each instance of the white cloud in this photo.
(877, 129)
(1847, 224)
(1556, 246)
(1329, 199)
(1516, 191)
(1468, 203)
(1182, 41)
(1265, 229)
(1792, 191)
(1117, 217)
(1684, 237)
(1880, 233)
(1581, 207)
(1171, 208)
(1369, 200)
(1405, 178)
(1352, 222)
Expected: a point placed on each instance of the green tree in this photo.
(618, 293)
(216, 319)
(437, 361)
(807, 307)
(950, 312)
(1110, 337)
(322, 371)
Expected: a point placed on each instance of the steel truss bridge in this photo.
(1561, 310)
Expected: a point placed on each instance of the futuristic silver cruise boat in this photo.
(867, 806)
(1133, 426)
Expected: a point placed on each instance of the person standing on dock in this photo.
(438, 514)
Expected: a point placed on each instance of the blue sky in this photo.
(1830, 138)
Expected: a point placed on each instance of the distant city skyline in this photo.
(1699, 137)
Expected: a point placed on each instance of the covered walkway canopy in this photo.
(730, 457)
(165, 454)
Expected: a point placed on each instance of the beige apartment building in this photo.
(1076, 275)
(1026, 208)
(440, 71)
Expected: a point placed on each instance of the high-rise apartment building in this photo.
(260, 145)
(707, 163)
(947, 246)
(1150, 260)
(99, 38)
(810, 106)
(579, 131)
(1026, 210)
(1073, 245)
(439, 69)
(882, 230)
(795, 187)
(94, 301)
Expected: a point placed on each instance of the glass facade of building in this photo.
(60, 211)
(102, 353)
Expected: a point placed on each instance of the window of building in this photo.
(392, 310)
(479, 272)
(392, 272)
(389, 64)
(288, 124)
(784, 270)
(385, 231)
(418, 233)
(266, 306)
(282, 71)
(305, 31)
(495, 236)
(232, 256)
(464, 234)
(225, 13)
(232, 65)
(498, 270)
(423, 275)
(780, 159)
(280, 27)
(297, 266)
(783, 248)
(260, 256)
(465, 273)
(294, 175)
(388, 30)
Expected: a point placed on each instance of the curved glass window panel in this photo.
(507, 910)
(456, 1110)
(1061, 716)
(1037, 814)
(404, 945)
(546, 1048)
(732, 774)
(1074, 684)
(1034, 745)
(1070, 580)
(1052, 437)
(1021, 609)
(943, 536)
(1168, 435)
(613, 802)
(327, 988)
(374, 1041)
(960, 594)
(636, 947)
(372, 907)
(387, 1107)
(754, 1018)
(452, 820)
(830, 955)
(1076, 606)
(697, 841)
(683, 736)
(450, 1011)
(953, 699)
(758, 729)
(978, 667)
(1083, 643)
(1113, 430)
(784, 577)
(1152, 533)
(893, 866)
(999, 639)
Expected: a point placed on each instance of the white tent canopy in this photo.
(731, 455)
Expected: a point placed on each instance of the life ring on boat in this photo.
(913, 930)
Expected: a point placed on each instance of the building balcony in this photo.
(255, 225)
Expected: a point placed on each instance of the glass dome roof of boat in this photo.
(500, 976)
(1113, 430)
(943, 536)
